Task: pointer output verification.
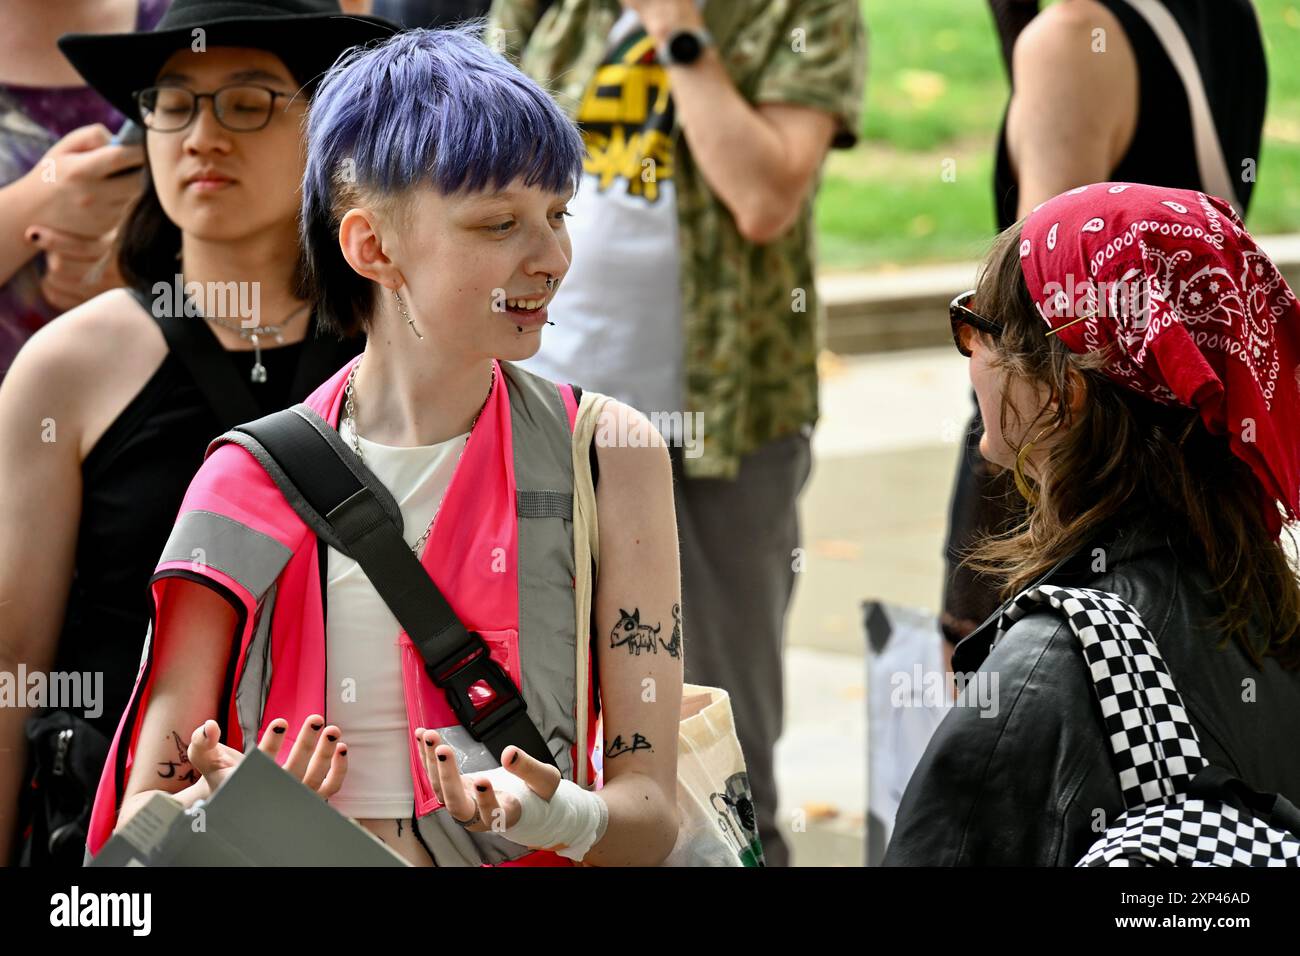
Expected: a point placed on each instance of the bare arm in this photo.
(639, 644)
(40, 507)
(764, 184)
(1074, 110)
(196, 625)
(71, 189)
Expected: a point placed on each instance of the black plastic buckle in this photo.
(456, 682)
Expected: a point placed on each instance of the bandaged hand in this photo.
(526, 801)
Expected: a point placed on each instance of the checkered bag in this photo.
(1179, 810)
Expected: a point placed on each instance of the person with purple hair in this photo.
(105, 412)
(433, 206)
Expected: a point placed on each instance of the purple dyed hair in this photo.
(433, 108)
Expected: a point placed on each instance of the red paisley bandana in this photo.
(1200, 315)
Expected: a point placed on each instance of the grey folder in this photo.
(260, 816)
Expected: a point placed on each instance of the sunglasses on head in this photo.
(966, 323)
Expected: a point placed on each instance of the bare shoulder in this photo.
(630, 448)
(1080, 36)
(88, 363)
(101, 332)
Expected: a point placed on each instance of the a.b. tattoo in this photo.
(618, 746)
(629, 632)
(179, 768)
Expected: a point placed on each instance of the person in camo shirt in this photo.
(691, 296)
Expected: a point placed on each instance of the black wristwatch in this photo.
(684, 47)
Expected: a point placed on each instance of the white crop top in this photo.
(364, 677)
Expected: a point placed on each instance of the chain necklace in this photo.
(349, 416)
(258, 373)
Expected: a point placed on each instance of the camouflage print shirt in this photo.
(753, 322)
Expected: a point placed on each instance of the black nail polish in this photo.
(331, 737)
(277, 730)
(442, 757)
(481, 789)
(317, 726)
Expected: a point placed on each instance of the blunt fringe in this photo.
(436, 108)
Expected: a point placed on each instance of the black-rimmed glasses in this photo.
(241, 107)
(966, 323)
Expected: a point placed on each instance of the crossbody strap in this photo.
(1155, 746)
(339, 499)
(207, 362)
(226, 391)
(1216, 178)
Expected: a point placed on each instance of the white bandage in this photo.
(570, 823)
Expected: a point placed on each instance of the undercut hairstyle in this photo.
(425, 108)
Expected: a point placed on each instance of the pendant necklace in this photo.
(258, 374)
(250, 334)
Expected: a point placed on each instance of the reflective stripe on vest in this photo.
(539, 652)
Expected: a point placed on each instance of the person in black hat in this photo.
(106, 412)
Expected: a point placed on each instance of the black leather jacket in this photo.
(1030, 784)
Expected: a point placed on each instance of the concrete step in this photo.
(908, 308)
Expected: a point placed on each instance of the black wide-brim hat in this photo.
(308, 35)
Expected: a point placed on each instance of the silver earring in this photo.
(406, 315)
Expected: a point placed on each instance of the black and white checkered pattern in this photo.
(1154, 745)
(1188, 832)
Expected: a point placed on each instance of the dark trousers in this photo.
(737, 543)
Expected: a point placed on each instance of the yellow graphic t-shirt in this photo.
(627, 119)
(618, 313)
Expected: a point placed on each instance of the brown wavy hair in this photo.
(1122, 456)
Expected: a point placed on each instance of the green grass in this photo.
(936, 90)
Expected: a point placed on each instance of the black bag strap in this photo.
(1155, 749)
(1215, 783)
(339, 498)
(208, 364)
(227, 392)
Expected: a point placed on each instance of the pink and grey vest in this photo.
(501, 551)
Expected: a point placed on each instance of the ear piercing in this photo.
(406, 315)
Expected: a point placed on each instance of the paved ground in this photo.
(873, 515)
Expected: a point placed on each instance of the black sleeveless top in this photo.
(1225, 42)
(133, 481)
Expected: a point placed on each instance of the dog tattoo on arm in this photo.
(631, 633)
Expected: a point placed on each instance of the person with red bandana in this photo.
(1136, 358)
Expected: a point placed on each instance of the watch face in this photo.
(684, 48)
